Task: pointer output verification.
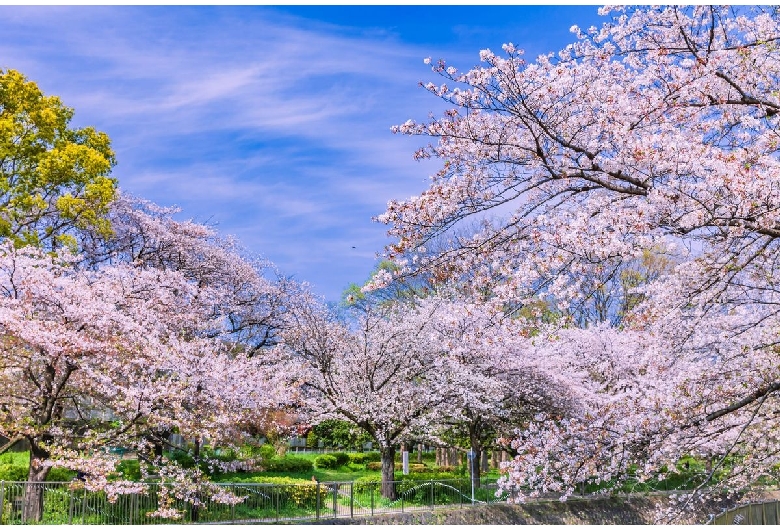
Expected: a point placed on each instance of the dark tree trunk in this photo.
(32, 505)
(419, 453)
(196, 505)
(388, 472)
(475, 467)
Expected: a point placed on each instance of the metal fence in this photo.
(67, 503)
(753, 514)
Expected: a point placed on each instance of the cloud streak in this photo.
(269, 123)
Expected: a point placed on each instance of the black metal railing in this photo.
(70, 503)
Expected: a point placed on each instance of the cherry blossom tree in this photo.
(501, 383)
(387, 373)
(658, 130)
(156, 329)
(592, 139)
(253, 293)
(121, 341)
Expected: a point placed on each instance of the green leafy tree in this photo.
(340, 433)
(54, 179)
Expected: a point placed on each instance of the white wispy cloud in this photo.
(274, 126)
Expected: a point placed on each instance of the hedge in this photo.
(301, 492)
(291, 464)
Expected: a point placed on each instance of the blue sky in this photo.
(273, 122)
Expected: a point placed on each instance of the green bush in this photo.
(18, 473)
(130, 469)
(342, 459)
(290, 464)
(182, 458)
(13, 472)
(413, 468)
(267, 452)
(60, 474)
(301, 492)
(326, 462)
(364, 458)
(365, 485)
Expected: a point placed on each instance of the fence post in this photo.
(432, 501)
(372, 498)
(71, 506)
(317, 497)
(83, 504)
(2, 499)
(352, 499)
(335, 500)
(278, 502)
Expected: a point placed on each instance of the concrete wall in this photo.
(605, 510)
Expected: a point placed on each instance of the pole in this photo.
(71, 506)
(317, 496)
(472, 458)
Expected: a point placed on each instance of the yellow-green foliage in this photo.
(300, 492)
(413, 468)
(53, 179)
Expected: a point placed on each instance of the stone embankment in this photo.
(635, 509)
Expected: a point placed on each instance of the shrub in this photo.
(301, 492)
(312, 439)
(342, 459)
(326, 462)
(365, 485)
(290, 464)
(266, 452)
(60, 474)
(364, 458)
(130, 469)
(182, 458)
(413, 468)
(13, 472)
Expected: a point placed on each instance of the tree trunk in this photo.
(196, 504)
(494, 459)
(485, 461)
(475, 464)
(32, 505)
(388, 472)
(419, 453)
